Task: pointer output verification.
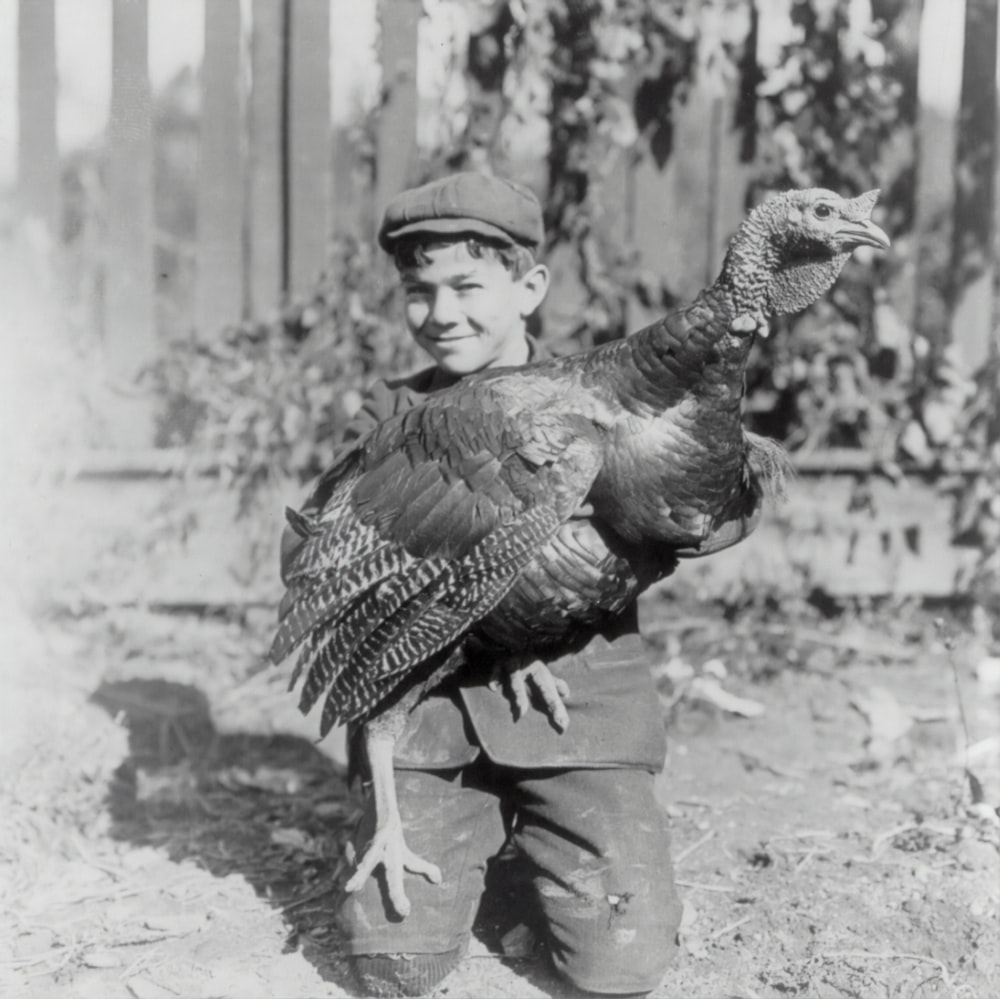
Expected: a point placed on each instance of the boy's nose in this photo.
(445, 310)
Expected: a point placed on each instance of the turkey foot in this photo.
(388, 847)
(521, 676)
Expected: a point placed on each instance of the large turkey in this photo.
(455, 525)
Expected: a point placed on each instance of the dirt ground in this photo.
(168, 828)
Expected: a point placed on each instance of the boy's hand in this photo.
(516, 674)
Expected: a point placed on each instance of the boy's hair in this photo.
(411, 251)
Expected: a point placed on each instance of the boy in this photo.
(578, 807)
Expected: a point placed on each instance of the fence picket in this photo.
(219, 254)
(973, 263)
(688, 206)
(397, 129)
(267, 214)
(130, 340)
(938, 86)
(308, 144)
(37, 151)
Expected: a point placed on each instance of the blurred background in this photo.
(189, 192)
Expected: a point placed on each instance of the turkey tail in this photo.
(405, 620)
(329, 652)
(330, 591)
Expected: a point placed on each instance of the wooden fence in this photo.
(272, 187)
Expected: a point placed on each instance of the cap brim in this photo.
(447, 227)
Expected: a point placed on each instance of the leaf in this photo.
(295, 839)
(887, 720)
(708, 689)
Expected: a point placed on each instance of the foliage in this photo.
(836, 111)
(268, 398)
(976, 513)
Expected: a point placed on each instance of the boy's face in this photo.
(468, 312)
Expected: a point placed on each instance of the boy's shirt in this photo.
(614, 709)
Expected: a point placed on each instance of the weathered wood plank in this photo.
(219, 250)
(267, 216)
(973, 263)
(37, 149)
(939, 77)
(130, 341)
(397, 128)
(689, 198)
(308, 148)
(996, 216)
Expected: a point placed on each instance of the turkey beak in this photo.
(863, 233)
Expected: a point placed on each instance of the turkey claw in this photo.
(522, 678)
(389, 849)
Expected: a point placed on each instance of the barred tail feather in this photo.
(327, 594)
(433, 616)
(770, 463)
(358, 620)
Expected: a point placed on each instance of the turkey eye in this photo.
(823, 211)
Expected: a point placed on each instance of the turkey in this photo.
(455, 527)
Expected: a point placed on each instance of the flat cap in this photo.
(472, 203)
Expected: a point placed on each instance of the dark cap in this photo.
(471, 203)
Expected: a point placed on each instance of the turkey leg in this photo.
(388, 847)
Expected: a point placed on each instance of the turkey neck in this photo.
(678, 385)
(693, 354)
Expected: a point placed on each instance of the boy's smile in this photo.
(469, 312)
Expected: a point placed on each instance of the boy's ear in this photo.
(533, 287)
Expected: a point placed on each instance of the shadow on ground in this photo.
(271, 808)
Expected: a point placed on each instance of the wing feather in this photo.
(436, 616)
(421, 533)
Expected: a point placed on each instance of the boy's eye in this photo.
(468, 286)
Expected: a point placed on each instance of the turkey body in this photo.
(456, 524)
(454, 520)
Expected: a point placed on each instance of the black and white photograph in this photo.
(500, 499)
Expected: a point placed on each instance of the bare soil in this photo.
(168, 827)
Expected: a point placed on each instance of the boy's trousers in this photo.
(596, 846)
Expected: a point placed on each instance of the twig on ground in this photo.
(872, 646)
(66, 954)
(729, 929)
(882, 838)
(312, 896)
(889, 955)
(696, 845)
(975, 788)
(751, 761)
(815, 851)
(140, 963)
(698, 886)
